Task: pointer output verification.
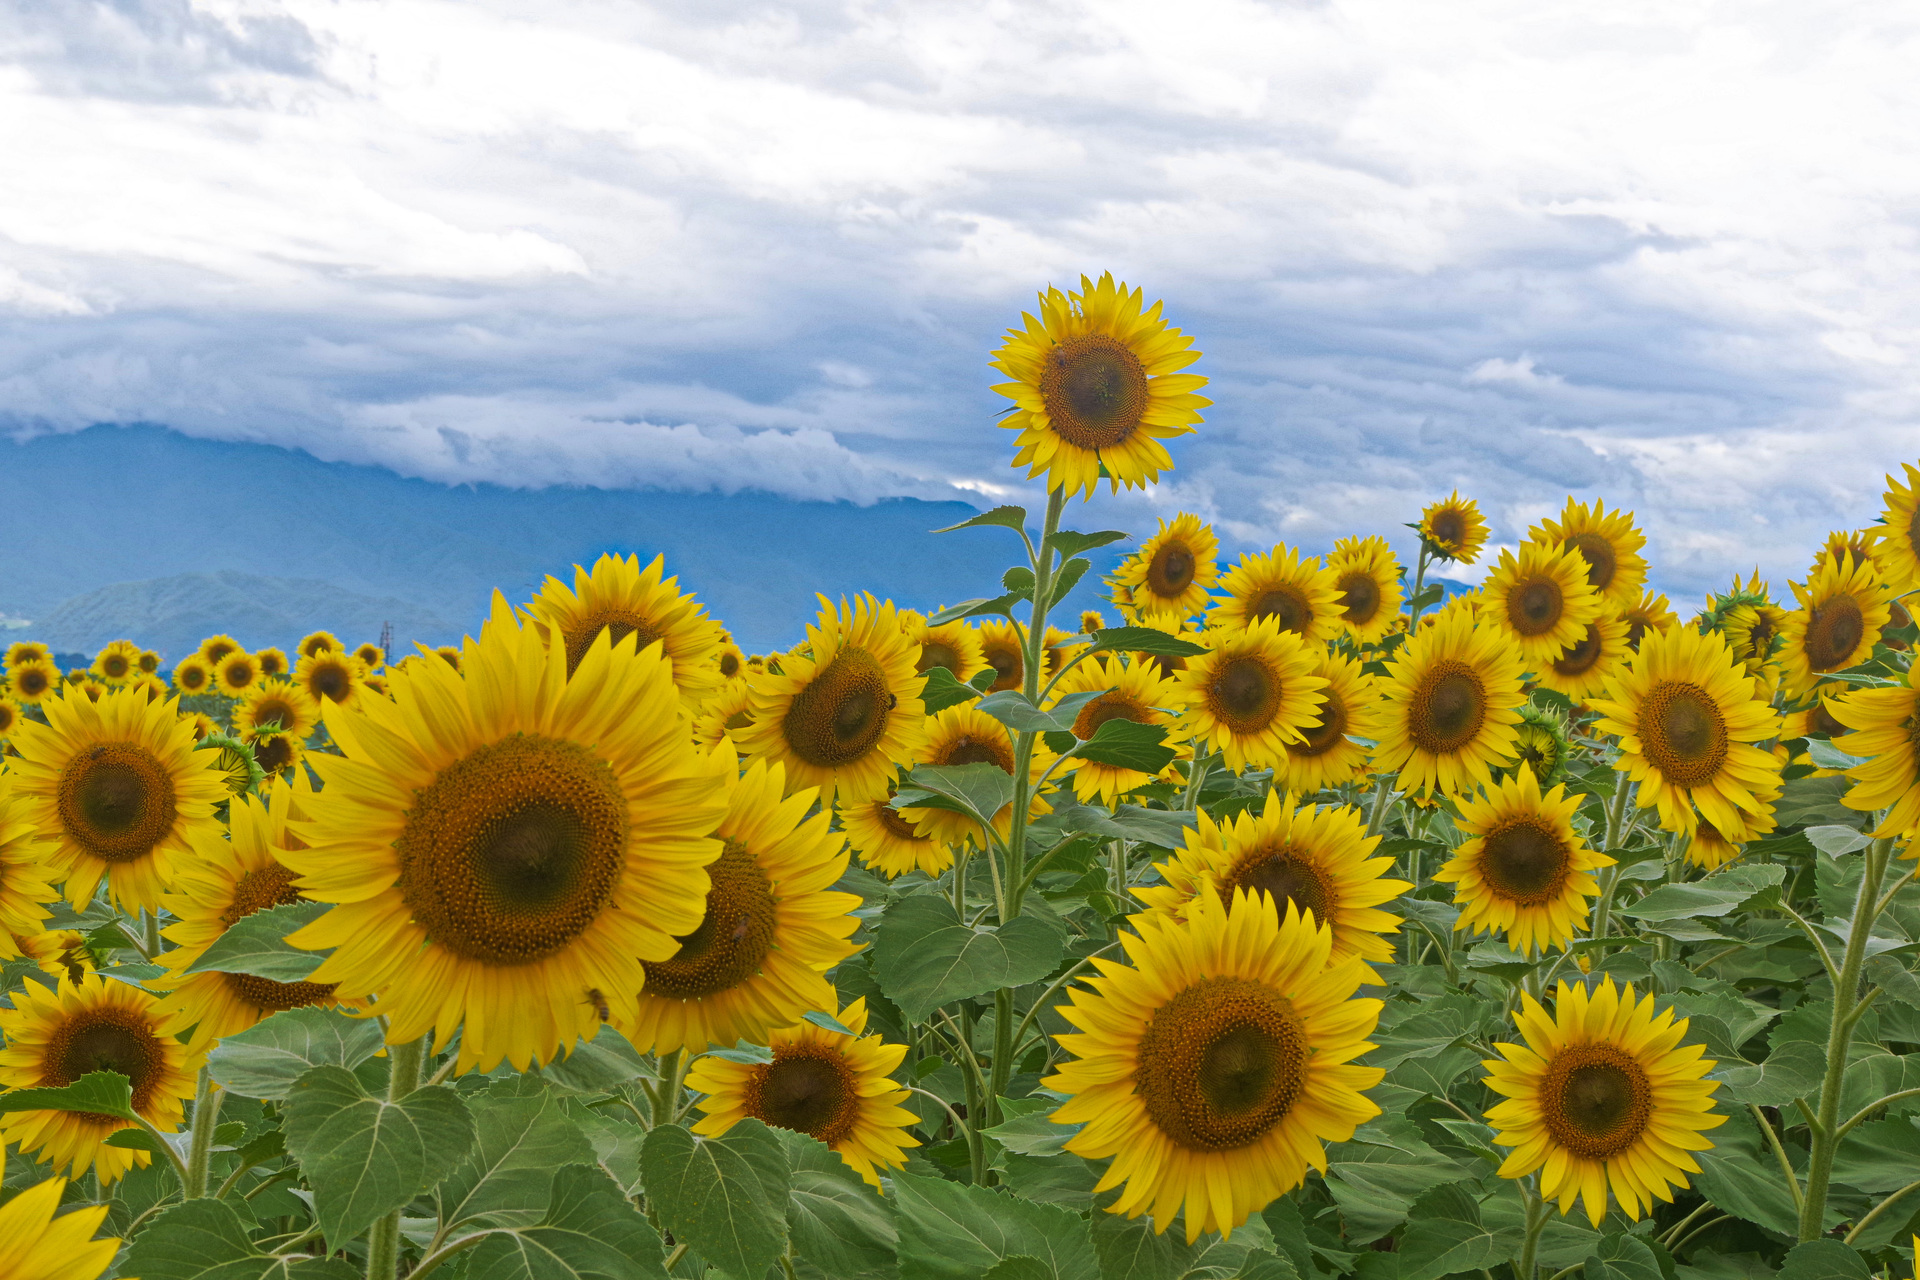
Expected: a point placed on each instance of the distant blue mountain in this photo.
(121, 508)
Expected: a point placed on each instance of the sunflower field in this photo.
(1305, 922)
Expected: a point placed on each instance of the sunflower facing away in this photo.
(1899, 530)
(726, 713)
(1686, 717)
(620, 597)
(772, 927)
(1886, 730)
(1455, 528)
(967, 735)
(888, 842)
(1213, 1068)
(1843, 609)
(1097, 387)
(1452, 699)
(1539, 601)
(276, 704)
(505, 841)
(1135, 693)
(33, 681)
(118, 663)
(1326, 754)
(1608, 542)
(1170, 575)
(1251, 693)
(193, 675)
(236, 673)
(1603, 1093)
(35, 1244)
(54, 1035)
(844, 719)
(1523, 871)
(1366, 579)
(330, 677)
(829, 1086)
(1581, 669)
(1283, 585)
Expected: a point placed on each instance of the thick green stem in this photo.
(1537, 1215)
(1382, 792)
(383, 1242)
(206, 1115)
(1413, 610)
(1043, 582)
(1002, 1068)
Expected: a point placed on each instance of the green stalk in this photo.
(1382, 792)
(1537, 1216)
(383, 1242)
(206, 1115)
(1419, 581)
(1043, 581)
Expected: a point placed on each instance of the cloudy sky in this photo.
(1663, 253)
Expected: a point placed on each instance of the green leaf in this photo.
(941, 690)
(1128, 744)
(1011, 708)
(955, 612)
(1145, 640)
(1808, 802)
(977, 790)
(1623, 1257)
(1717, 895)
(1836, 841)
(1432, 593)
(364, 1156)
(258, 945)
(523, 1138)
(726, 1196)
(1880, 1156)
(1021, 1266)
(1130, 1249)
(839, 1226)
(1069, 543)
(1033, 1134)
(1827, 756)
(264, 1060)
(1793, 1070)
(1290, 1235)
(590, 1232)
(1376, 1177)
(1014, 518)
(925, 956)
(1741, 1176)
(954, 1232)
(1067, 579)
(1895, 979)
(599, 1065)
(206, 1240)
(1444, 1235)
(105, 1093)
(1824, 1260)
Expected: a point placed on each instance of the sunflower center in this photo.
(1534, 608)
(1284, 603)
(330, 680)
(1221, 1063)
(1285, 877)
(1525, 861)
(618, 623)
(239, 673)
(740, 719)
(1449, 527)
(1582, 656)
(1683, 733)
(733, 938)
(273, 713)
(895, 823)
(1095, 391)
(512, 851)
(1834, 631)
(1598, 553)
(729, 665)
(116, 801)
(192, 678)
(841, 714)
(114, 666)
(106, 1038)
(1449, 707)
(1008, 669)
(1820, 720)
(216, 650)
(1108, 706)
(809, 1089)
(1596, 1100)
(1171, 570)
(1359, 598)
(263, 887)
(32, 681)
(1327, 731)
(935, 654)
(1244, 694)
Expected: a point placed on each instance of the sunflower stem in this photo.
(383, 1242)
(1002, 1070)
(1780, 1155)
(1413, 608)
(1537, 1216)
(1036, 647)
(1382, 792)
(206, 1115)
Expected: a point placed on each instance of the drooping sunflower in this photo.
(1136, 693)
(1283, 585)
(772, 927)
(330, 678)
(1711, 848)
(1314, 859)
(1455, 528)
(1540, 601)
(320, 642)
(727, 713)
(1524, 871)
(1366, 579)
(234, 761)
(620, 597)
(1251, 693)
(1171, 573)
(967, 735)
(35, 1244)
(829, 1086)
(1452, 699)
(1886, 730)
(1097, 387)
(118, 663)
(845, 718)
(193, 675)
(1843, 609)
(953, 645)
(236, 674)
(1602, 1093)
(503, 843)
(54, 1035)
(1326, 754)
(33, 680)
(1581, 669)
(1608, 542)
(26, 877)
(273, 664)
(1898, 532)
(1686, 717)
(27, 650)
(276, 704)
(1213, 1068)
(214, 648)
(118, 788)
(888, 842)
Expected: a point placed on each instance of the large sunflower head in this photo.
(1581, 669)
(887, 840)
(726, 714)
(1251, 693)
(1451, 704)
(1170, 574)
(1602, 1093)
(772, 927)
(967, 735)
(1540, 601)
(331, 677)
(1366, 579)
(54, 1035)
(1686, 716)
(509, 839)
(1137, 693)
(33, 680)
(320, 642)
(118, 663)
(953, 645)
(1097, 387)
(1898, 533)
(236, 673)
(1607, 541)
(193, 675)
(214, 648)
(1523, 871)
(822, 1083)
(1843, 609)
(276, 705)
(845, 718)
(1286, 586)
(1331, 750)
(26, 876)
(619, 597)
(1213, 1067)
(1454, 528)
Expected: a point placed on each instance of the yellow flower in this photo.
(1283, 585)
(10, 716)
(1886, 730)
(33, 680)
(1843, 609)
(620, 598)
(1000, 648)
(1366, 579)
(26, 878)
(1452, 699)
(1136, 693)
(1711, 848)
(1607, 541)
(1170, 574)
(38, 1243)
(1251, 693)
(27, 651)
(118, 663)
(320, 642)
(273, 664)
(236, 674)
(214, 648)
(330, 678)
(1524, 871)
(953, 645)
(967, 735)
(1539, 601)
(1326, 754)
(726, 714)
(1581, 669)
(1898, 533)
(1455, 528)
(888, 842)
(193, 675)
(371, 655)
(276, 704)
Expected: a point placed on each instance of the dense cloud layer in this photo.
(1659, 252)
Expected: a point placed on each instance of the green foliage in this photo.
(257, 945)
(265, 1060)
(928, 956)
(724, 1196)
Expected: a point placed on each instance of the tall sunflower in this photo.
(33, 680)
(39, 1243)
(1136, 693)
(953, 645)
(829, 1086)
(273, 664)
(1366, 579)
(967, 735)
(1607, 541)
(505, 841)
(331, 678)
(1452, 699)
(118, 663)
(193, 675)
(1315, 860)
(276, 704)
(1326, 754)
(1283, 585)
(1581, 669)
(1170, 575)
(236, 673)
(1539, 601)
(1602, 1093)
(54, 1035)
(888, 842)
(1251, 693)
(1524, 871)
(214, 648)
(844, 719)
(1455, 528)
(1097, 387)
(118, 788)
(1898, 532)
(1843, 609)
(26, 878)
(1686, 718)
(1213, 1067)
(726, 714)
(319, 642)
(1886, 730)
(772, 927)
(620, 597)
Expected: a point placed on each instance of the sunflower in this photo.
(119, 789)
(887, 841)
(725, 714)
(193, 675)
(1326, 755)
(58, 952)
(330, 678)
(276, 753)
(1212, 1069)
(967, 735)
(1541, 743)
(1366, 579)
(27, 650)
(449, 654)
(507, 841)
(54, 1035)
(1523, 871)
(320, 642)
(1886, 730)
(829, 1086)
(1857, 546)
(1843, 609)
(276, 704)
(1170, 574)
(1251, 693)
(214, 648)
(1602, 1092)
(1685, 717)
(1452, 699)
(1607, 541)
(118, 663)
(1097, 388)
(1711, 848)
(9, 716)
(953, 645)
(234, 761)
(375, 685)
(273, 664)
(1135, 693)
(236, 673)
(844, 719)
(1817, 719)
(619, 597)
(371, 655)
(1898, 532)
(201, 725)
(1539, 601)
(1582, 668)
(1454, 528)
(33, 680)
(26, 877)
(1001, 648)
(153, 687)
(1283, 585)
(1091, 621)
(37, 1242)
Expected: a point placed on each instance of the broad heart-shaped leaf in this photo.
(1717, 895)
(977, 790)
(258, 945)
(1011, 708)
(523, 1137)
(924, 955)
(1128, 744)
(1793, 1070)
(1376, 1177)
(206, 1240)
(726, 1196)
(1163, 827)
(839, 1226)
(1145, 640)
(1033, 1134)
(1895, 979)
(590, 1232)
(1813, 802)
(954, 1232)
(1824, 1260)
(1021, 1266)
(1623, 1257)
(364, 1156)
(1445, 1235)
(940, 691)
(1014, 518)
(1827, 756)
(1740, 1176)
(264, 1060)
(1069, 543)
(105, 1093)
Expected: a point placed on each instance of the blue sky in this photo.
(1663, 253)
